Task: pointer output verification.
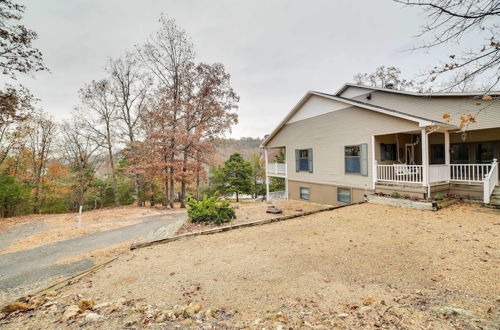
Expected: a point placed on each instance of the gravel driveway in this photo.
(36, 264)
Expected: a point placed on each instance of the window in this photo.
(437, 154)
(459, 153)
(352, 159)
(304, 193)
(387, 151)
(303, 159)
(344, 195)
(485, 152)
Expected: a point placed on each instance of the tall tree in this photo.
(81, 152)
(41, 130)
(99, 113)
(207, 113)
(235, 177)
(130, 85)
(452, 21)
(167, 54)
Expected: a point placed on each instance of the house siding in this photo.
(435, 107)
(322, 193)
(327, 135)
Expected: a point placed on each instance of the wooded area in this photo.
(146, 132)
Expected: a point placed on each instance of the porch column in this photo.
(425, 158)
(267, 176)
(374, 164)
(447, 148)
(447, 153)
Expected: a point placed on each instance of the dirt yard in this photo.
(361, 266)
(251, 211)
(58, 227)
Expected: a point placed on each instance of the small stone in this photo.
(365, 309)
(188, 312)
(452, 311)
(93, 317)
(273, 210)
(49, 303)
(186, 321)
(129, 324)
(196, 307)
(102, 305)
(209, 314)
(70, 312)
(257, 321)
(278, 326)
(342, 315)
(121, 301)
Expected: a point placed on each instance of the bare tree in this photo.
(130, 86)
(388, 77)
(41, 130)
(81, 151)
(98, 114)
(166, 54)
(450, 21)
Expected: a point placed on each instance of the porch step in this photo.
(495, 198)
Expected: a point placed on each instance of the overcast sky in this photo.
(275, 50)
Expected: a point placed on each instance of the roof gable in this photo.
(347, 103)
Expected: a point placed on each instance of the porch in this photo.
(432, 161)
(276, 173)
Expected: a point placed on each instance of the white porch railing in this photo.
(399, 173)
(439, 173)
(490, 181)
(276, 169)
(485, 174)
(472, 173)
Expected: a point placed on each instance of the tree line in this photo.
(143, 132)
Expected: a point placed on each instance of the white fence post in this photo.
(80, 217)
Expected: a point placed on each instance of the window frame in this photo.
(359, 158)
(308, 193)
(345, 189)
(307, 160)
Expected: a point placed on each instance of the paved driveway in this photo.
(36, 265)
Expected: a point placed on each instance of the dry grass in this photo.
(403, 263)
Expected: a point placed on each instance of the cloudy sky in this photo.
(274, 50)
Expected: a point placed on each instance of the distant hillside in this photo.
(245, 146)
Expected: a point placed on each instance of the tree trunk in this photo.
(198, 186)
(113, 174)
(183, 184)
(166, 199)
(237, 197)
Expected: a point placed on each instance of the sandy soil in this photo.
(361, 266)
(65, 225)
(251, 211)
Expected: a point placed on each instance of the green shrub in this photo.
(395, 194)
(439, 197)
(210, 209)
(406, 196)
